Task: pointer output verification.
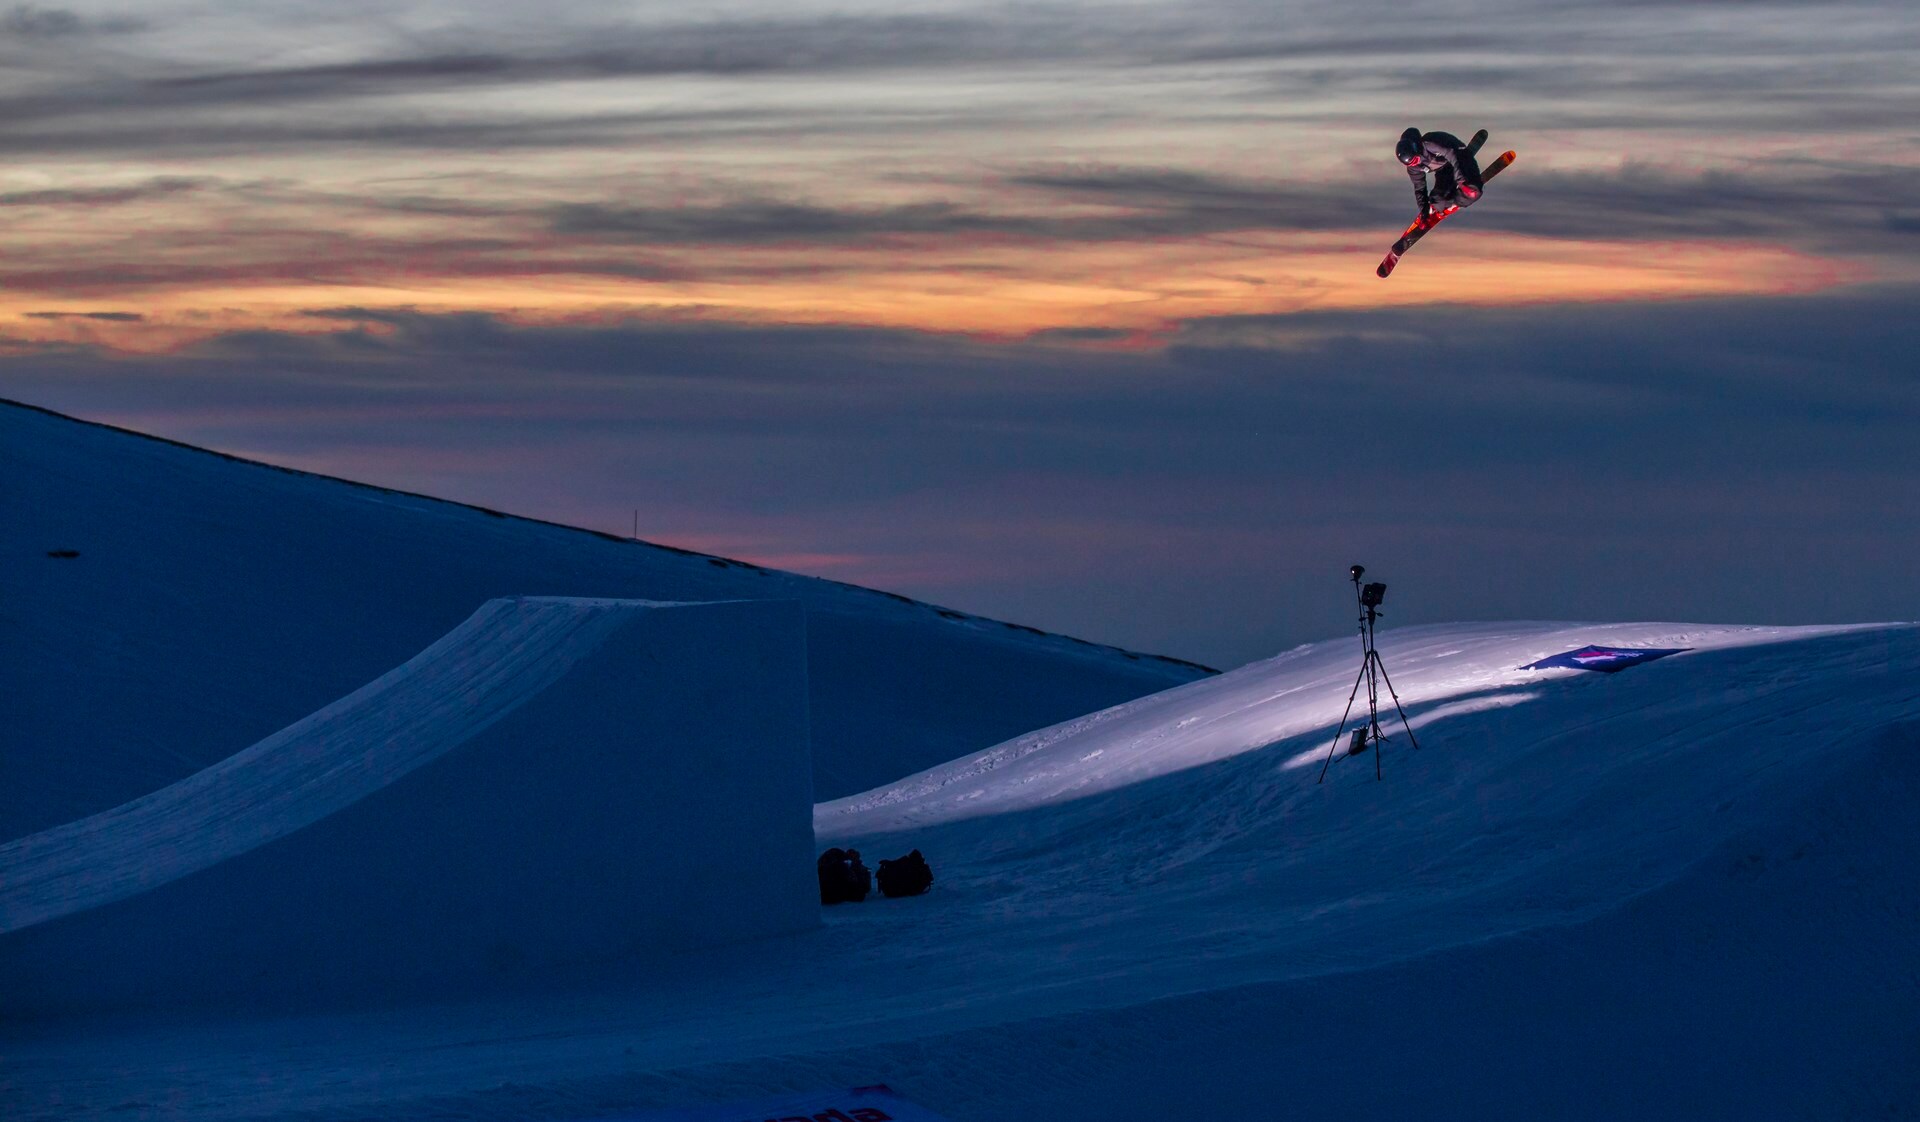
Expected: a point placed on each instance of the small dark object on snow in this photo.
(843, 879)
(63, 554)
(1358, 744)
(905, 876)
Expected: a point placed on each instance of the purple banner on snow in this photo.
(1604, 659)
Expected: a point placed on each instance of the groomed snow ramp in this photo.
(555, 780)
(212, 602)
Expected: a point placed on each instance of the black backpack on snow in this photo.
(905, 876)
(832, 867)
(843, 879)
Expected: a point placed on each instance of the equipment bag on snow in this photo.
(843, 879)
(905, 876)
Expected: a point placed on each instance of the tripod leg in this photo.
(1373, 709)
(1396, 704)
(1343, 725)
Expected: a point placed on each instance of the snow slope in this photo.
(1680, 891)
(499, 801)
(214, 601)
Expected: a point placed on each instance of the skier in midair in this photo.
(1456, 179)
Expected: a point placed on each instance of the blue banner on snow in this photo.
(1604, 659)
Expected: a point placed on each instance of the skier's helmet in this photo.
(1410, 150)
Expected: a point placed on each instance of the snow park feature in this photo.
(1681, 892)
(216, 601)
(501, 802)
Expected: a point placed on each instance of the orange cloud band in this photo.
(996, 290)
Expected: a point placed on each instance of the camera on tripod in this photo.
(1373, 674)
(1372, 594)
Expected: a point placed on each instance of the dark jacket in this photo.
(1447, 157)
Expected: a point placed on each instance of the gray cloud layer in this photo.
(34, 22)
(1830, 208)
(1535, 64)
(157, 187)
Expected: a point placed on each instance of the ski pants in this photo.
(1446, 185)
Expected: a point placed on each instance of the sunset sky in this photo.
(1063, 313)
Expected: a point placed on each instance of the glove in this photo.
(1468, 194)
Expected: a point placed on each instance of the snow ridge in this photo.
(175, 606)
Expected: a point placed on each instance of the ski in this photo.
(1427, 222)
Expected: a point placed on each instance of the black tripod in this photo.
(1372, 672)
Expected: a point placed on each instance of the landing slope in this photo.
(1679, 890)
(214, 601)
(1537, 798)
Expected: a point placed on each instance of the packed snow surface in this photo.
(504, 654)
(1679, 891)
(496, 801)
